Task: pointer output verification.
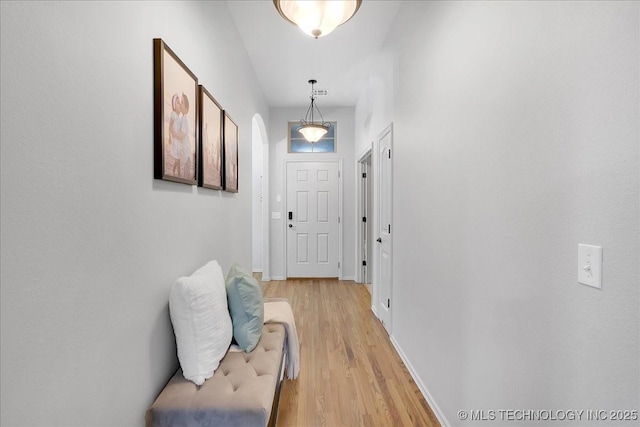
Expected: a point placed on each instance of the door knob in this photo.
(290, 225)
(379, 240)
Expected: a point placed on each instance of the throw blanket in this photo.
(279, 311)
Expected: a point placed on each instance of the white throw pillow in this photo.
(201, 321)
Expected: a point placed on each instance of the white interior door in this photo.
(312, 218)
(384, 225)
(365, 225)
(367, 217)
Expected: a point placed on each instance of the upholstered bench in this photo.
(244, 390)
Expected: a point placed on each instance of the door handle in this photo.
(379, 240)
(290, 215)
(290, 225)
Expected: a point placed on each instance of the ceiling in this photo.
(285, 58)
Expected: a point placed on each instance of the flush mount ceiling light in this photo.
(317, 17)
(311, 130)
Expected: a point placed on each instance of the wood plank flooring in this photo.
(350, 374)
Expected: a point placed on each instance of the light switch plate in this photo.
(590, 265)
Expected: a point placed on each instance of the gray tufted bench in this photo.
(244, 390)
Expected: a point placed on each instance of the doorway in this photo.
(260, 197)
(384, 226)
(365, 221)
(313, 218)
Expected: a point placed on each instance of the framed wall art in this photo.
(210, 121)
(230, 130)
(176, 138)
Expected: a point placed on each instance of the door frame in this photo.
(340, 213)
(376, 288)
(368, 153)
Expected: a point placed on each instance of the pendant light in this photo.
(317, 17)
(311, 130)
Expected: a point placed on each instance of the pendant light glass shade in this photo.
(317, 17)
(313, 133)
(311, 130)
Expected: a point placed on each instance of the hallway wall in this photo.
(257, 152)
(516, 138)
(91, 243)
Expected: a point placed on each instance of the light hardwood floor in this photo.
(350, 374)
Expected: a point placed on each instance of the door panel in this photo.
(313, 231)
(303, 206)
(323, 206)
(323, 248)
(385, 228)
(303, 248)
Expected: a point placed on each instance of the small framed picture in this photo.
(175, 117)
(210, 141)
(230, 131)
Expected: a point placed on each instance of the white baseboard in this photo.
(348, 278)
(423, 389)
(257, 270)
(267, 279)
(375, 313)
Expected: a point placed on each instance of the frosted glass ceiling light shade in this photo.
(317, 17)
(313, 133)
(311, 130)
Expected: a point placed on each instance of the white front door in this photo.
(385, 203)
(312, 218)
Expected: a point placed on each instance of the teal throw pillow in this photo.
(246, 307)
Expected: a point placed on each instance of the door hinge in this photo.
(388, 303)
(364, 263)
(338, 174)
(338, 265)
(389, 228)
(389, 153)
(338, 220)
(364, 219)
(364, 174)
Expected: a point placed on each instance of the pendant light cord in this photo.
(311, 107)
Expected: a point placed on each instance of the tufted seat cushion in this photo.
(240, 393)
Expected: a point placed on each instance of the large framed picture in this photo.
(175, 117)
(210, 141)
(230, 154)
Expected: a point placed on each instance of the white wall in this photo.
(91, 243)
(516, 138)
(278, 153)
(256, 204)
(374, 110)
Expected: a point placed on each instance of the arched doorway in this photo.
(260, 197)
